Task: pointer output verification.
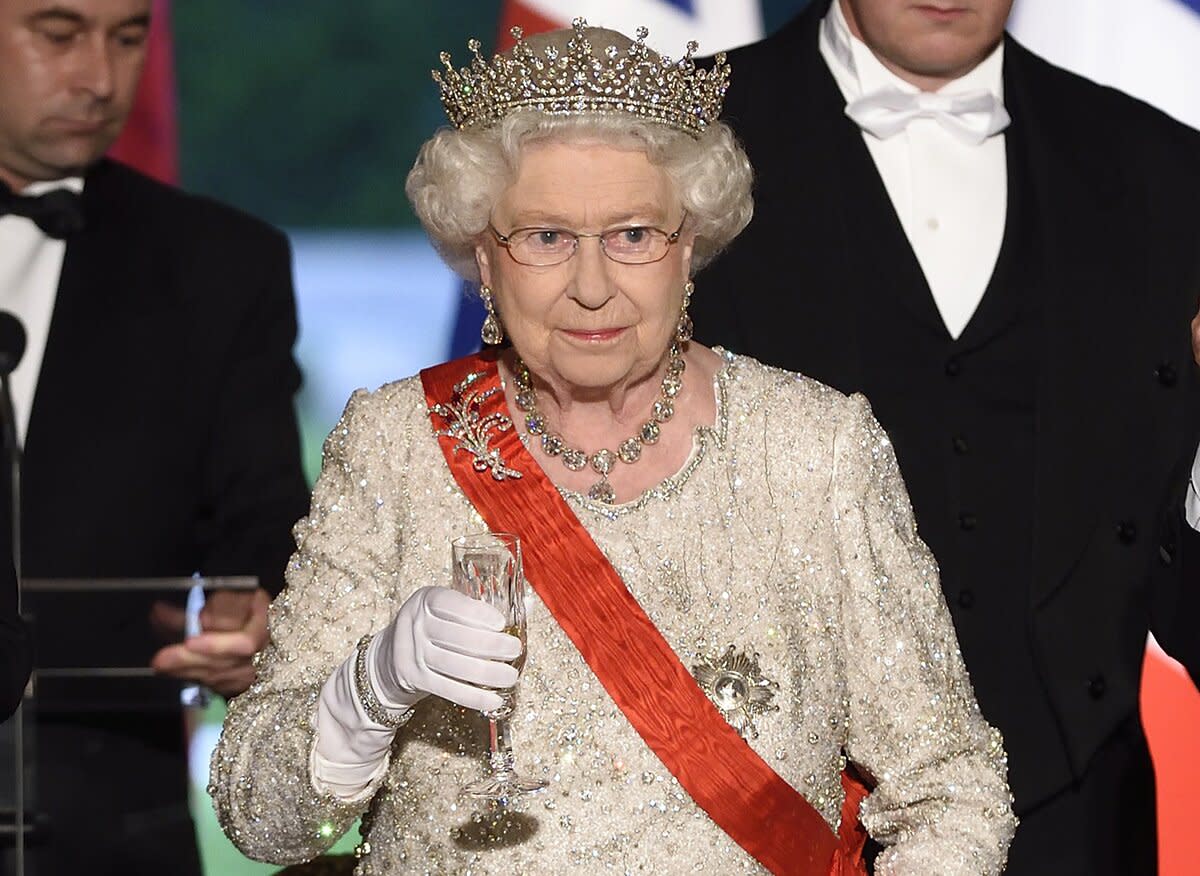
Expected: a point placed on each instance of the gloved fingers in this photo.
(471, 641)
(467, 696)
(470, 670)
(450, 605)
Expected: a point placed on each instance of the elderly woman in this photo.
(729, 602)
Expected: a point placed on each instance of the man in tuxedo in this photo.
(1004, 258)
(155, 404)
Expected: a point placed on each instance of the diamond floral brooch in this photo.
(472, 430)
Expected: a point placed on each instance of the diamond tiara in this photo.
(575, 80)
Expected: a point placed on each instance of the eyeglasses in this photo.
(629, 244)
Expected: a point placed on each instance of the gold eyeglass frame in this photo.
(504, 240)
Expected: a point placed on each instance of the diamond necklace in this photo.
(603, 460)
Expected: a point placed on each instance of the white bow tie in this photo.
(972, 116)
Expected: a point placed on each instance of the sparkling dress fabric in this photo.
(788, 534)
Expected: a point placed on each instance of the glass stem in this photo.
(500, 745)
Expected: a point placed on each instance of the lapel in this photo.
(878, 254)
(105, 297)
(855, 242)
(1080, 201)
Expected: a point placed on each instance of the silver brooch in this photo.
(471, 430)
(735, 684)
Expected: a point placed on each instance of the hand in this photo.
(220, 658)
(1196, 338)
(445, 643)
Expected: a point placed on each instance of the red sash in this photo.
(722, 774)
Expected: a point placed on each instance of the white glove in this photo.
(445, 643)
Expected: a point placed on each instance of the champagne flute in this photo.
(488, 567)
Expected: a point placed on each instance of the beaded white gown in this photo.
(788, 533)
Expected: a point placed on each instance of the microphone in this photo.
(12, 348)
(12, 343)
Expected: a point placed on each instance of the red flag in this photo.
(1171, 716)
(150, 141)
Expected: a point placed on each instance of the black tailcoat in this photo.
(1085, 392)
(162, 441)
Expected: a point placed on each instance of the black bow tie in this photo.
(58, 212)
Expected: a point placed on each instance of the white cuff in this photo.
(350, 783)
(350, 751)
(1191, 505)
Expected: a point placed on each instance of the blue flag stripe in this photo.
(689, 7)
(467, 321)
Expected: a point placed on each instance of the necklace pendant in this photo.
(602, 492)
(603, 461)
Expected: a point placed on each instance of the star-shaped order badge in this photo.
(736, 685)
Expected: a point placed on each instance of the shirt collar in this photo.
(72, 183)
(859, 72)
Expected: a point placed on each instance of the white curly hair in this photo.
(460, 174)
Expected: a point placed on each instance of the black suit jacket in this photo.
(162, 441)
(1115, 184)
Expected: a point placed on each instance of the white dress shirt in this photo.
(951, 196)
(30, 265)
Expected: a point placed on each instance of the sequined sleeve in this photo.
(941, 802)
(340, 585)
